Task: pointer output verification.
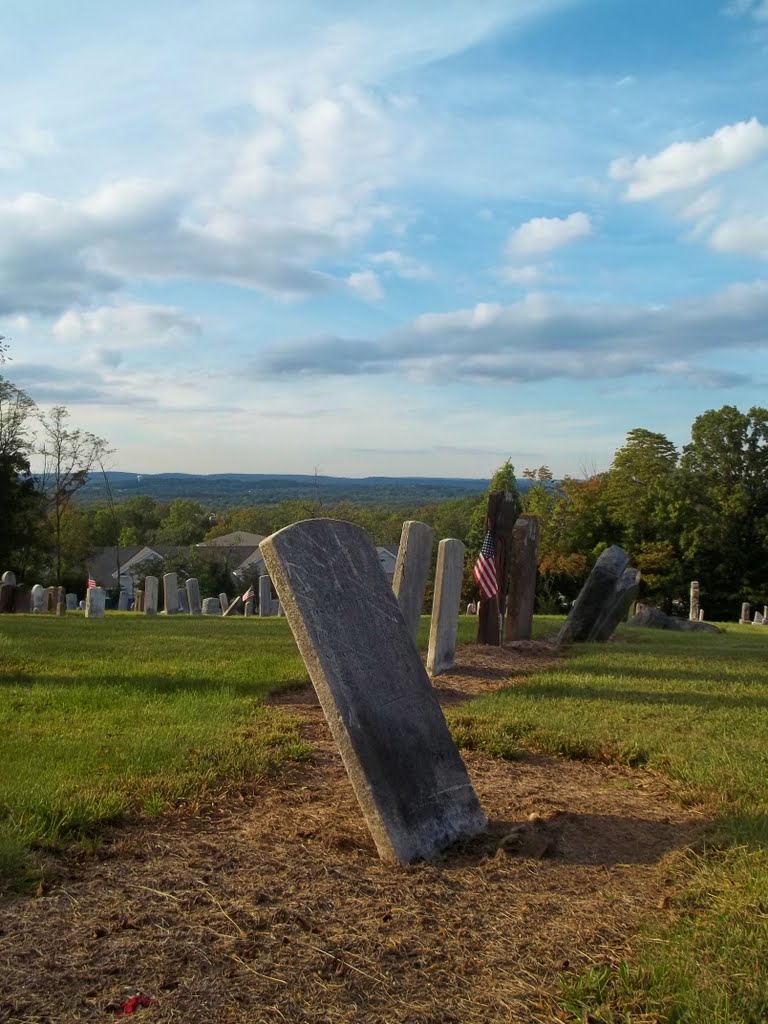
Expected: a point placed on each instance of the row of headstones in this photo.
(759, 618)
(20, 598)
(183, 600)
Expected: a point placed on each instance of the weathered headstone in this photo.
(402, 762)
(193, 596)
(9, 577)
(123, 601)
(22, 599)
(603, 601)
(758, 619)
(95, 601)
(170, 593)
(223, 602)
(746, 613)
(265, 595)
(7, 593)
(411, 569)
(449, 576)
(71, 602)
(50, 605)
(693, 613)
(211, 606)
(183, 603)
(521, 592)
(150, 595)
(61, 608)
(248, 607)
(39, 598)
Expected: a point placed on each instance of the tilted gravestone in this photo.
(604, 599)
(449, 576)
(265, 595)
(411, 569)
(150, 595)
(211, 606)
(403, 764)
(22, 599)
(193, 596)
(521, 589)
(95, 601)
(170, 593)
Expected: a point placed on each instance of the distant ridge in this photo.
(228, 490)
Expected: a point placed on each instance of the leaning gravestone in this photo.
(449, 575)
(402, 762)
(211, 606)
(7, 592)
(22, 599)
(411, 569)
(170, 593)
(95, 602)
(265, 595)
(39, 598)
(150, 595)
(193, 596)
(604, 599)
(521, 592)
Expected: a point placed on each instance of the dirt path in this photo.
(273, 906)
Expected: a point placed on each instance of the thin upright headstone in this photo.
(170, 593)
(403, 764)
(693, 613)
(95, 600)
(248, 608)
(521, 589)
(501, 517)
(701, 614)
(138, 601)
(746, 613)
(150, 595)
(51, 602)
(193, 596)
(39, 598)
(183, 603)
(265, 595)
(449, 576)
(224, 602)
(411, 569)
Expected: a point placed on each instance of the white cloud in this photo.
(543, 234)
(132, 325)
(403, 266)
(366, 284)
(684, 165)
(742, 234)
(702, 207)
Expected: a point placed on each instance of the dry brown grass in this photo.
(271, 904)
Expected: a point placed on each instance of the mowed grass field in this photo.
(102, 719)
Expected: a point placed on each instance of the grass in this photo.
(103, 719)
(695, 708)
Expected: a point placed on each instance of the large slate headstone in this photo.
(521, 593)
(7, 593)
(604, 599)
(404, 766)
(170, 593)
(95, 602)
(449, 576)
(150, 595)
(193, 596)
(22, 599)
(411, 569)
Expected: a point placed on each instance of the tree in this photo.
(184, 523)
(21, 520)
(68, 457)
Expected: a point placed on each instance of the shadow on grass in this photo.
(157, 683)
(559, 691)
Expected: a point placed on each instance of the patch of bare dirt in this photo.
(272, 905)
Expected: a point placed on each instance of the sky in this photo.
(384, 239)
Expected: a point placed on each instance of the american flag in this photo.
(485, 569)
(249, 595)
(92, 584)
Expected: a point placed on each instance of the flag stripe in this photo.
(485, 569)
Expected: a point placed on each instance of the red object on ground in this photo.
(130, 1006)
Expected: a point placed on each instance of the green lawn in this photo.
(695, 708)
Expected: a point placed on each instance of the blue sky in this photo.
(390, 239)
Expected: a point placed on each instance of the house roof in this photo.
(238, 539)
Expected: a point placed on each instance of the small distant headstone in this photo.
(193, 596)
(183, 603)
(7, 593)
(746, 613)
(211, 606)
(265, 595)
(95, 602)
(61, 608)
(521, 593)
(701, 614)
(403, 764)
(39, 598)
(123, 601)
(765, 612)
(71, 602)
(22, 599)
(9, 577)
(248, 607)
(150, 595)
(81, 606)
(170, 593)
(758, 619)
(51, 602)
(449, 576)
(693, 612)
(138, 601)
(604, 599)
(223, 602)
(409, 582)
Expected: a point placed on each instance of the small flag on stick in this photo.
(249, 595)
(92, 584)
(485, 569)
